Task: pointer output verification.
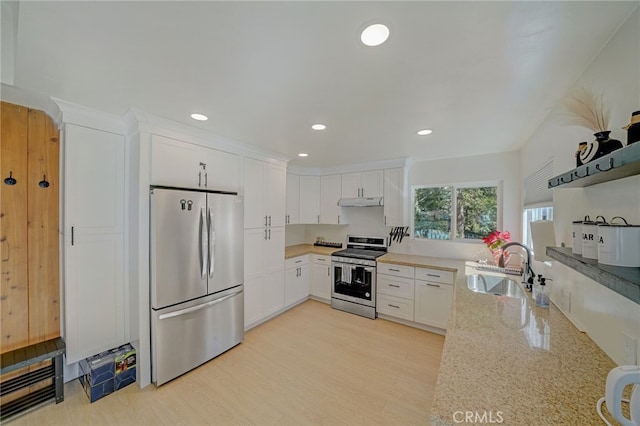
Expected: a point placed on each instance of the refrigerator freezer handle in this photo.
(212, 245)
(198, 307)
(203, 244)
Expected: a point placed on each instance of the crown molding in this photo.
(84, 116)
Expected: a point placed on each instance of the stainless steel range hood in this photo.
(361, 202)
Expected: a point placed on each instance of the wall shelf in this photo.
(616, 165)
(624, 281)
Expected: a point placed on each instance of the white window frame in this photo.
(531, 213)
(499, 192)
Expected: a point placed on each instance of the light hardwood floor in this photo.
(310, 365)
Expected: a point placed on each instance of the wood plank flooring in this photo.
(310, 365)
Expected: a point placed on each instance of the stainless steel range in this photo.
(354, 275)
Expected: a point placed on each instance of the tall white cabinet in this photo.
(264, 218)
(94, 243)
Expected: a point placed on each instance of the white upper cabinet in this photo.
(276, 196)
(363, 184)
(185, 165)
(309, 199)
(330, 193)
(293, 199)
(221, 170)
(264, 193)
(395, 200)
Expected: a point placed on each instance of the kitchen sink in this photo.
(498, 286)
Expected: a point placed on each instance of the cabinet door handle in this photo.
(265, 221)
(72, 240)
(338, 219)
(265, 234)
(385, 220)
(298, 261)
(269, 233)
(205, 179)
(269, 220)
(394, 285)
(199, 178)
(393, 306)
(433, 285)
(394, 270)
(328, 272)
(318, 218)
(433, 275)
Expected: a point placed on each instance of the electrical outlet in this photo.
(565, 300)
(629, 346)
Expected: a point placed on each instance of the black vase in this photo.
(606, 145)
(603, 145)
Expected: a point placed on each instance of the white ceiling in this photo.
(482, 75)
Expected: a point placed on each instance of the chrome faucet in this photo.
(528, 274)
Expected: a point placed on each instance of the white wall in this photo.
(615, 72)
(501, 167)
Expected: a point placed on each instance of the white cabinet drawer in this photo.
(322, 259)
(395, 286)
(395, 306)
(296, 261)
(395, 270)
(434, 275)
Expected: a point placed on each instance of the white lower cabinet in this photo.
(321, 277)
(395, 291)
(433, 303)
(433, 296)
(296, 284)
(420, 295)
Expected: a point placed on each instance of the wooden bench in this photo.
(52, 350)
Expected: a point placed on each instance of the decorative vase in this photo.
(603, 145)
(496, 256)
(607, 145)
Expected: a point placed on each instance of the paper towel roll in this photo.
(542, 236)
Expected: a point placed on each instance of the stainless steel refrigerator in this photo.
(196, 270)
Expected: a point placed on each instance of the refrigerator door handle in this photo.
(198, 307)
(203, 244)
(212, 245)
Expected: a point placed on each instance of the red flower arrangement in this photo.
(497, 239)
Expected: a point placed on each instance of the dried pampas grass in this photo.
(586, 109)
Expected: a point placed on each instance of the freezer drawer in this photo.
(188, 335)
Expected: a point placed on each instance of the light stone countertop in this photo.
(302, 249)
(510, 362)
(419, 261)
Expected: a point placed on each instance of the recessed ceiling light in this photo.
(303, 154)
(199, 117)
(374, 35)
(318, 126)
(424, 132)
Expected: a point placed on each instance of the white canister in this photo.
(576, 234)
(619, 245)
(590, 238)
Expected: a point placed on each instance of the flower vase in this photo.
(606, 144)
(497, 253)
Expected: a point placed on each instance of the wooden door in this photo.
(29, 234)
(14, 296)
